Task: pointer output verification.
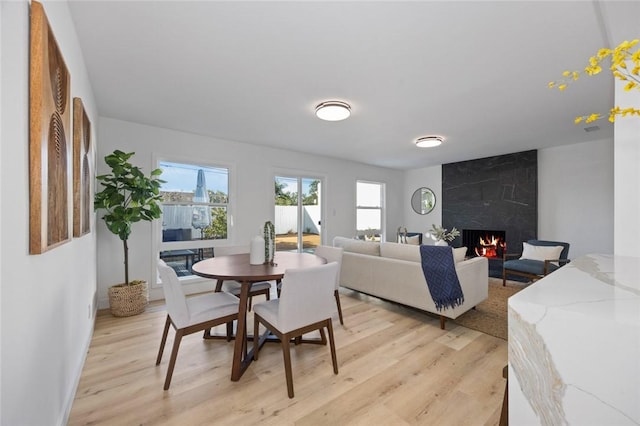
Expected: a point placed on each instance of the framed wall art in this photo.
(81, 170)
(49, 138)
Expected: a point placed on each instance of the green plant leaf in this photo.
(127, 196)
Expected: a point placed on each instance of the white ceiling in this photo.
(473, 72)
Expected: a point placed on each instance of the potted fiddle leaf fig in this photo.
(127, 196)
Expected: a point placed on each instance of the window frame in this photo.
(382, 207)
(299, 177)
(158, 245)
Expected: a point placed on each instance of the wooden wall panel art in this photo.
(49, 133)
(81, 170)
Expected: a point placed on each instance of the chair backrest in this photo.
(228, 250)
(306, 296)
(564, 254)
(174, 296)
(332, 254)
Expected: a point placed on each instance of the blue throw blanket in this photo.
(442, 280)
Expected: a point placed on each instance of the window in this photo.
(195, 211)
(369, 210)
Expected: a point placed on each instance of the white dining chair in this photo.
(305, 304)
(333, 254)
(234, 287)
(189, 315)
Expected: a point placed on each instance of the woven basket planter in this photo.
(127, 300)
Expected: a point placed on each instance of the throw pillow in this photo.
(459, 253)
(357, 246)
(541, 253)
(414, 240)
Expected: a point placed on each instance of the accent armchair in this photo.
(539, 258)
(405, 237)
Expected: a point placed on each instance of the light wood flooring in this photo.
(396, 367)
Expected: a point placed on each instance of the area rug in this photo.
(490, 316)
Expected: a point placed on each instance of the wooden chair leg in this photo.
(332, 345)
(442, 321)
(286, 352)
(172, 361)
(229, 331)
(504, 277)
(323, 338)
(504, 414)
(337, 296)
(256, 337)
(164, 340)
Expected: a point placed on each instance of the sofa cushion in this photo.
(400, 251)
(357, 246)
(528, 266)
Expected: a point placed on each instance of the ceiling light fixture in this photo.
(429, 141)
(333, 110)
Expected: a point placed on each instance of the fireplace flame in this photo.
(489, 247)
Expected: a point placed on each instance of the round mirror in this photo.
(423, 200)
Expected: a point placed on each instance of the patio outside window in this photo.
(195, 212)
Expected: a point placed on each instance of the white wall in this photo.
(627, 175)
(252, 193)
(575, 196)
(46, 311)
(430, 177)
(623, 19)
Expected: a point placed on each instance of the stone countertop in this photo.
(574, 345)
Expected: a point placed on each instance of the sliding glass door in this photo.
(298, 213)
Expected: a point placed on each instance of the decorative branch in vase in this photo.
(442, 234)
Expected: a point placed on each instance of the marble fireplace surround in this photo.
(496, 193)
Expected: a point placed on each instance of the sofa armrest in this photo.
(473, 275)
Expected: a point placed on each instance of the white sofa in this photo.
(393, 272)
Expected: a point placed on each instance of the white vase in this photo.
(256, 252)
(441, 243)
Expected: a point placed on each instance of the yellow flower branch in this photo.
(625, 66)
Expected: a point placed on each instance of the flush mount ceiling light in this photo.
(429, 141)
(333, 110)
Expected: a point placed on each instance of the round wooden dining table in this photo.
(236, 267)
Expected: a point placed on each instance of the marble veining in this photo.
(574, 345)
(594, 266)
(528, 352)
